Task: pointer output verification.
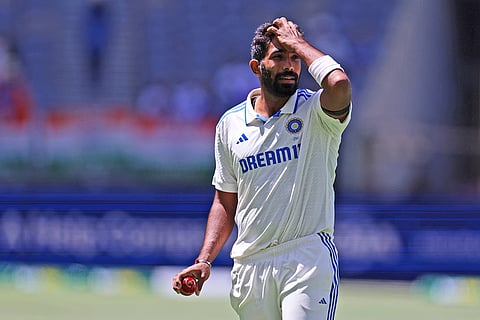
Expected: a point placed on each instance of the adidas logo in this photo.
(242, 138)
(323, 301)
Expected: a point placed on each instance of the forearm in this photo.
(307, 52)
(337, 94)
(324, 69)
(219, 227)
(330, 76)
(220, 224)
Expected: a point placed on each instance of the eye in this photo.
(295, 57)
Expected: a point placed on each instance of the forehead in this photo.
(274, 47)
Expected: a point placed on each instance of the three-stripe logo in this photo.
(242, 138)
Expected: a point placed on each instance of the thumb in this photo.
(199, 287)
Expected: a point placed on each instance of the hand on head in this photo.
(286, 33)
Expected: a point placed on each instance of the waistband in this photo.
(282, 247)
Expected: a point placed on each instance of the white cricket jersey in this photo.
(282, 168)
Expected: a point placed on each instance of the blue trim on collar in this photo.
(262, 118)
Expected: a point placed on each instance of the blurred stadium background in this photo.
(107, 115)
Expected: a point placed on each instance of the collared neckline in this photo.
(251, 115)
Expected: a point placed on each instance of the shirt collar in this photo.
(251, 115)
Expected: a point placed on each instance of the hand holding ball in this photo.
(189, 285)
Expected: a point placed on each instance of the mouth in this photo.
(287, 78)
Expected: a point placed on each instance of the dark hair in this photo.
(260, 42)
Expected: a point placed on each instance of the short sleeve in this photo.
(224, 178)
(332, 125)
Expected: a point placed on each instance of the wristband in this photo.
(321, 67)
(203, 261)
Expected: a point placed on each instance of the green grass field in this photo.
(392, 301)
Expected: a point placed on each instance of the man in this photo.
(276, 156)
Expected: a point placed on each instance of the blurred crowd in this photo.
(186, 62)
(184, 59)
(16, 100)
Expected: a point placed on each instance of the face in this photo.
(280, 71)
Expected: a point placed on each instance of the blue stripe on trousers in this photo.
(332, 306)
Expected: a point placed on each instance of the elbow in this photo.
(339, 81)
(338, 85)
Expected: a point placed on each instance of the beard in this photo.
(273, 85)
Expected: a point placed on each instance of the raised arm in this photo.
(336, 96)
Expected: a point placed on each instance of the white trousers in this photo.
(296, 280)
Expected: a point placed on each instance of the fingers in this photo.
(276, 25)
(177, 283)
(294, 27)
(284, 23)
(280, 22)
(285, 30)
(200, 283)
(204, 275)
(199, 271)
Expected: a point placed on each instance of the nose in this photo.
(289, 65)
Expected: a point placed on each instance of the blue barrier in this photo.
(379, 238)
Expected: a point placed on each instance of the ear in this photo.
(255, 66)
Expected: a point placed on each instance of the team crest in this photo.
(294, 125)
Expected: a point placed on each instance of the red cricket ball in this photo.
(189, 285)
